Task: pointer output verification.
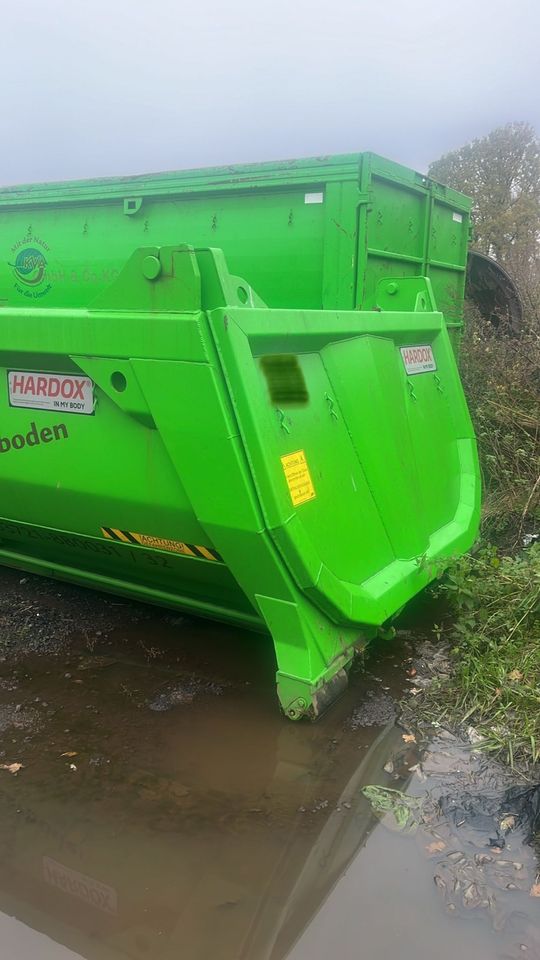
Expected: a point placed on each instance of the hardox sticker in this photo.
(418, 359)
(61, 392)
(92, 892)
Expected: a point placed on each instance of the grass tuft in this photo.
(494, 602)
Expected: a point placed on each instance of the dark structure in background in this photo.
(494, 292)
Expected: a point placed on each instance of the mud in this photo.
(376, 710)
(184, 693)
(43, 617)
(164, 809)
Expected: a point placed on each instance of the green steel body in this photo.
(176, 487)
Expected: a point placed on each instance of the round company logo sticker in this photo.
(29, 266)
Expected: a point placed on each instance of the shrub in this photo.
(495, 632)
(501, 377)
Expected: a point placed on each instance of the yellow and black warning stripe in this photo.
(162, 543)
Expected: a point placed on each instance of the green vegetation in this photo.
(494, 598)
(501, 376)
(495, 633)
(500, 367)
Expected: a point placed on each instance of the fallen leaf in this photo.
(473, 735)
(408, 737)
(69, 753)
(412, 672)
(535, 890)
(12, 767)
(415, 690)
(515, 675)
(507, 823)
(436, 847)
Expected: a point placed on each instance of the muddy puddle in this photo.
(165, 809)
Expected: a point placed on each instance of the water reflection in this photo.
(214, 828)
(166, 810)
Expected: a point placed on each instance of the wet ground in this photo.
(164, 809)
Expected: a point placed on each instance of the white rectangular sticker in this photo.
(418, 359)
(313, 197)
(457, 217)
(62, 392)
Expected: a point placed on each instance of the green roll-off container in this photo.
(233, 392)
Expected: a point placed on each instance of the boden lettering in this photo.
(34, 437)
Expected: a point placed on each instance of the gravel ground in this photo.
(40, 616)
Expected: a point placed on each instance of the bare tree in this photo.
(501, 173)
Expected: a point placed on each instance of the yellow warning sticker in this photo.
(161, 543)
(298, 477)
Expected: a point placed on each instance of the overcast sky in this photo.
(106, 87)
